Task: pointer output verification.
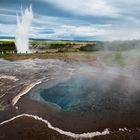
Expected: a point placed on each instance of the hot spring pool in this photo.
(85, 93)
(89, 100)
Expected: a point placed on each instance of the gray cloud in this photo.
(64, 19)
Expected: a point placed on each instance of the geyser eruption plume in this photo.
(22, 31)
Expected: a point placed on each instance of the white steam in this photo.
(22, 31)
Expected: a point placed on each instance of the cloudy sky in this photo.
(75, 19)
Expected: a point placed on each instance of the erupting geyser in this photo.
(22, 31)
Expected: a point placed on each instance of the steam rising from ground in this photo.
(22, 31)
(116, 77)
(93, 89)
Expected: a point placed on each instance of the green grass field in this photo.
(112, 58)
(63, 55)
(119, 58)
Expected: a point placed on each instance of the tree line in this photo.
(7, 47)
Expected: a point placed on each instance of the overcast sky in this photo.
(75, 19)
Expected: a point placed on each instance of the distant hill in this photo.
(43, 39)
(7, 37)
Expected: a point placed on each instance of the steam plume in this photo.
(22, 31)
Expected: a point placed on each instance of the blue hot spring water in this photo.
(83, 93)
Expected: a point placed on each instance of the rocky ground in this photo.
(30, 129)
(15, 77)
